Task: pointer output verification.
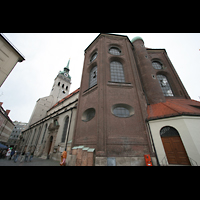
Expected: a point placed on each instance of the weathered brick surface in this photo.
(84, 158)
(90, 158)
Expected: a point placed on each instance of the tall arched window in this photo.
(65, 129)
(117, 72)
(38, 135)
(164, 84)
(44, 133)
(93, 77)
(33, 135)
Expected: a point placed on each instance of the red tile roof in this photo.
(65, 98)
(173, 107)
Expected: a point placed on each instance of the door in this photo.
(174, 148)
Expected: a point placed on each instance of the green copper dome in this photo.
(136, 38)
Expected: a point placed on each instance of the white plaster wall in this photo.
(8, 59)
(189, 130)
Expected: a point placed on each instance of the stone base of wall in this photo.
(122, 161)
(81, 156)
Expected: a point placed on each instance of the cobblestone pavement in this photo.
(35, 162)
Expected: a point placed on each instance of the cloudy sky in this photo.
(48, 53)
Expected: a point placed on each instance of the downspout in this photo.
(69, 128)
(153, 143)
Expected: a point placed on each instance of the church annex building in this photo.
(131, 103)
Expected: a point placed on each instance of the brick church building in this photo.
(131, 103)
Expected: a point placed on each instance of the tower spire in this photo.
(68, 64)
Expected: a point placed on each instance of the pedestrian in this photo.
(4, 153)
(31, 156)
(8, 153)
(12, 153)
(22, 156)
(16, 156)
(26, 156)
(63, 158)
(1, 153)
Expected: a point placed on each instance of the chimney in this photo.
(7, 111)
(1, 103)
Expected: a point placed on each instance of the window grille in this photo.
(121, 112)
(65, 129)
(164, 84)
(157, 65)
(94, 56)
(93, 77)
(115, 51)
(117, 72)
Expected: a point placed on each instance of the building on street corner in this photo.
(9, 57)
(6, 125)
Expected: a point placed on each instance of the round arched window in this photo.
(157, 65)
(115, 51)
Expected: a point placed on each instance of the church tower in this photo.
(59, 90)
(61, 85)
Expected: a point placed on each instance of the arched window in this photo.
(117, 72)
(157, 65)
(164, 84)
(63, 85)
(33, 135)
(168, 131)
(44, 133)
(58, 83)
(94, 56)
(65, 129)
(38, 136)
(93, 77)
(115, 51)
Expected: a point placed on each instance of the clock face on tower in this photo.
(66, 74)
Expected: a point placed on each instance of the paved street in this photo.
(35, 162)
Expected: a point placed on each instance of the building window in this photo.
(88, 114)
(94, 56)
(164, 84)
(65, 129)
(157, 65)
(168, 131)
(122, 110)
(55, 122)
(93, 77)
(44, 133)
(115, 51)
(117, 72)
(58, 83)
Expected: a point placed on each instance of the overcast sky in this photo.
(48, 53)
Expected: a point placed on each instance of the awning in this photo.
(3, 146)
